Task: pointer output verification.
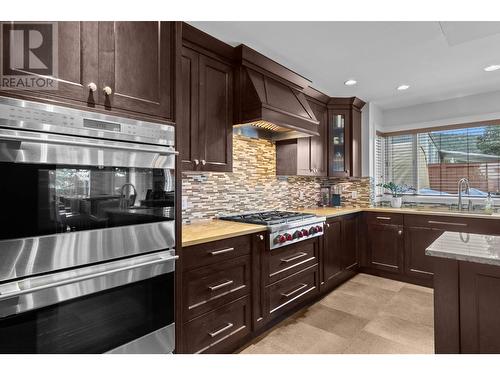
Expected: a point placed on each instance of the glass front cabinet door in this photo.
(338, 143)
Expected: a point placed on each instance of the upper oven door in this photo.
(69, 201)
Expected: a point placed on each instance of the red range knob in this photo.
(280, 239)
(319, 228)
(299, 234)
(305, 232)
(288, 236)
(312, 230)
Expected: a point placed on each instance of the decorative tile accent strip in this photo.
(254, 186)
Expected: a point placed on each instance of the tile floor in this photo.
(367, 314)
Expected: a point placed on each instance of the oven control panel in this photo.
(295, 234)
(15, 113)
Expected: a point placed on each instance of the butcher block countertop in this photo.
(212, 230)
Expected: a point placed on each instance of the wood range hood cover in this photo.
(269, 96)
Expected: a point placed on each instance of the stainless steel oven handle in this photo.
(10, 293)
(68, 142)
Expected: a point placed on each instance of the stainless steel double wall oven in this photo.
(87, 232)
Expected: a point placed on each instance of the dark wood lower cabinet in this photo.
(235, 289)
(221, 330)
(339, 260)
(385, 247)
(479, 308)
(417, 239)
(466, 307)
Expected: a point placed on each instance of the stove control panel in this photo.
(292, 235)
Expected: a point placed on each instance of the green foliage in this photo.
(395, 189)
(489, 142)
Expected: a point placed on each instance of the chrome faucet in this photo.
(125, 202)
(461, 183)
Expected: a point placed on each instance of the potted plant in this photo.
(397, 192)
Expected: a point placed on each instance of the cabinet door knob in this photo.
(107, 90)
(400, 232)
(261, 237)
(92, 86)
(328, 225)
(196, 161)
(203, 162)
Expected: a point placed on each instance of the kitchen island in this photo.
(466, 293)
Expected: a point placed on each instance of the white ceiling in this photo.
(439, 60)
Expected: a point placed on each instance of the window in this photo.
(434, 161)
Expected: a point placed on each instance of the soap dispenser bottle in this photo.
(488, 204)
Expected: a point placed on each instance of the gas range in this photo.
(284, 227)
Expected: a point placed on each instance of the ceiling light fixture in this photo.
(403, 87)
(350, 82)
(491, 68)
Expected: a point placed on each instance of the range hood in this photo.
(270, 102)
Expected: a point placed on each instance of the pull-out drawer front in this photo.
(216, 251)
(454, 223)
(214, 285)
(292, 290)
(291, 259)
(383, 218)
(221, 330)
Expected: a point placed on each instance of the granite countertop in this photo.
(333, 211)
(212, 230)
(477, 248)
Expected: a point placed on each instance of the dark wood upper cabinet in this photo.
(207, 86)
(305, 156)
(216, 115)
(77, 64)
(136, 63)
(190, 108)
(135, 60)
(344, 137)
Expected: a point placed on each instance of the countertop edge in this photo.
(223, 236)
(462, 258)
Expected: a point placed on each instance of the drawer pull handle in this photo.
(223, 329)
(383, 218)
(447, 223)
(221, 285)
(296, 290)
(293, 257)
(217, 252)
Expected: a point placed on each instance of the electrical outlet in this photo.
(354, 194)
(301, 195)
(184, 203)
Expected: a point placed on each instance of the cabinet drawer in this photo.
(383, 218)
(292, 290)
(454, 224)
(211, 286)
(291, 259)
(221, 330)
(216, 251)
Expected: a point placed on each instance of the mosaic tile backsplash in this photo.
(254, 186)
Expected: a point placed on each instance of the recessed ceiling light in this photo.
(491, 68)
(350, 82)
(403, 87)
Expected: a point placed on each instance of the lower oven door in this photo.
(125, 306)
